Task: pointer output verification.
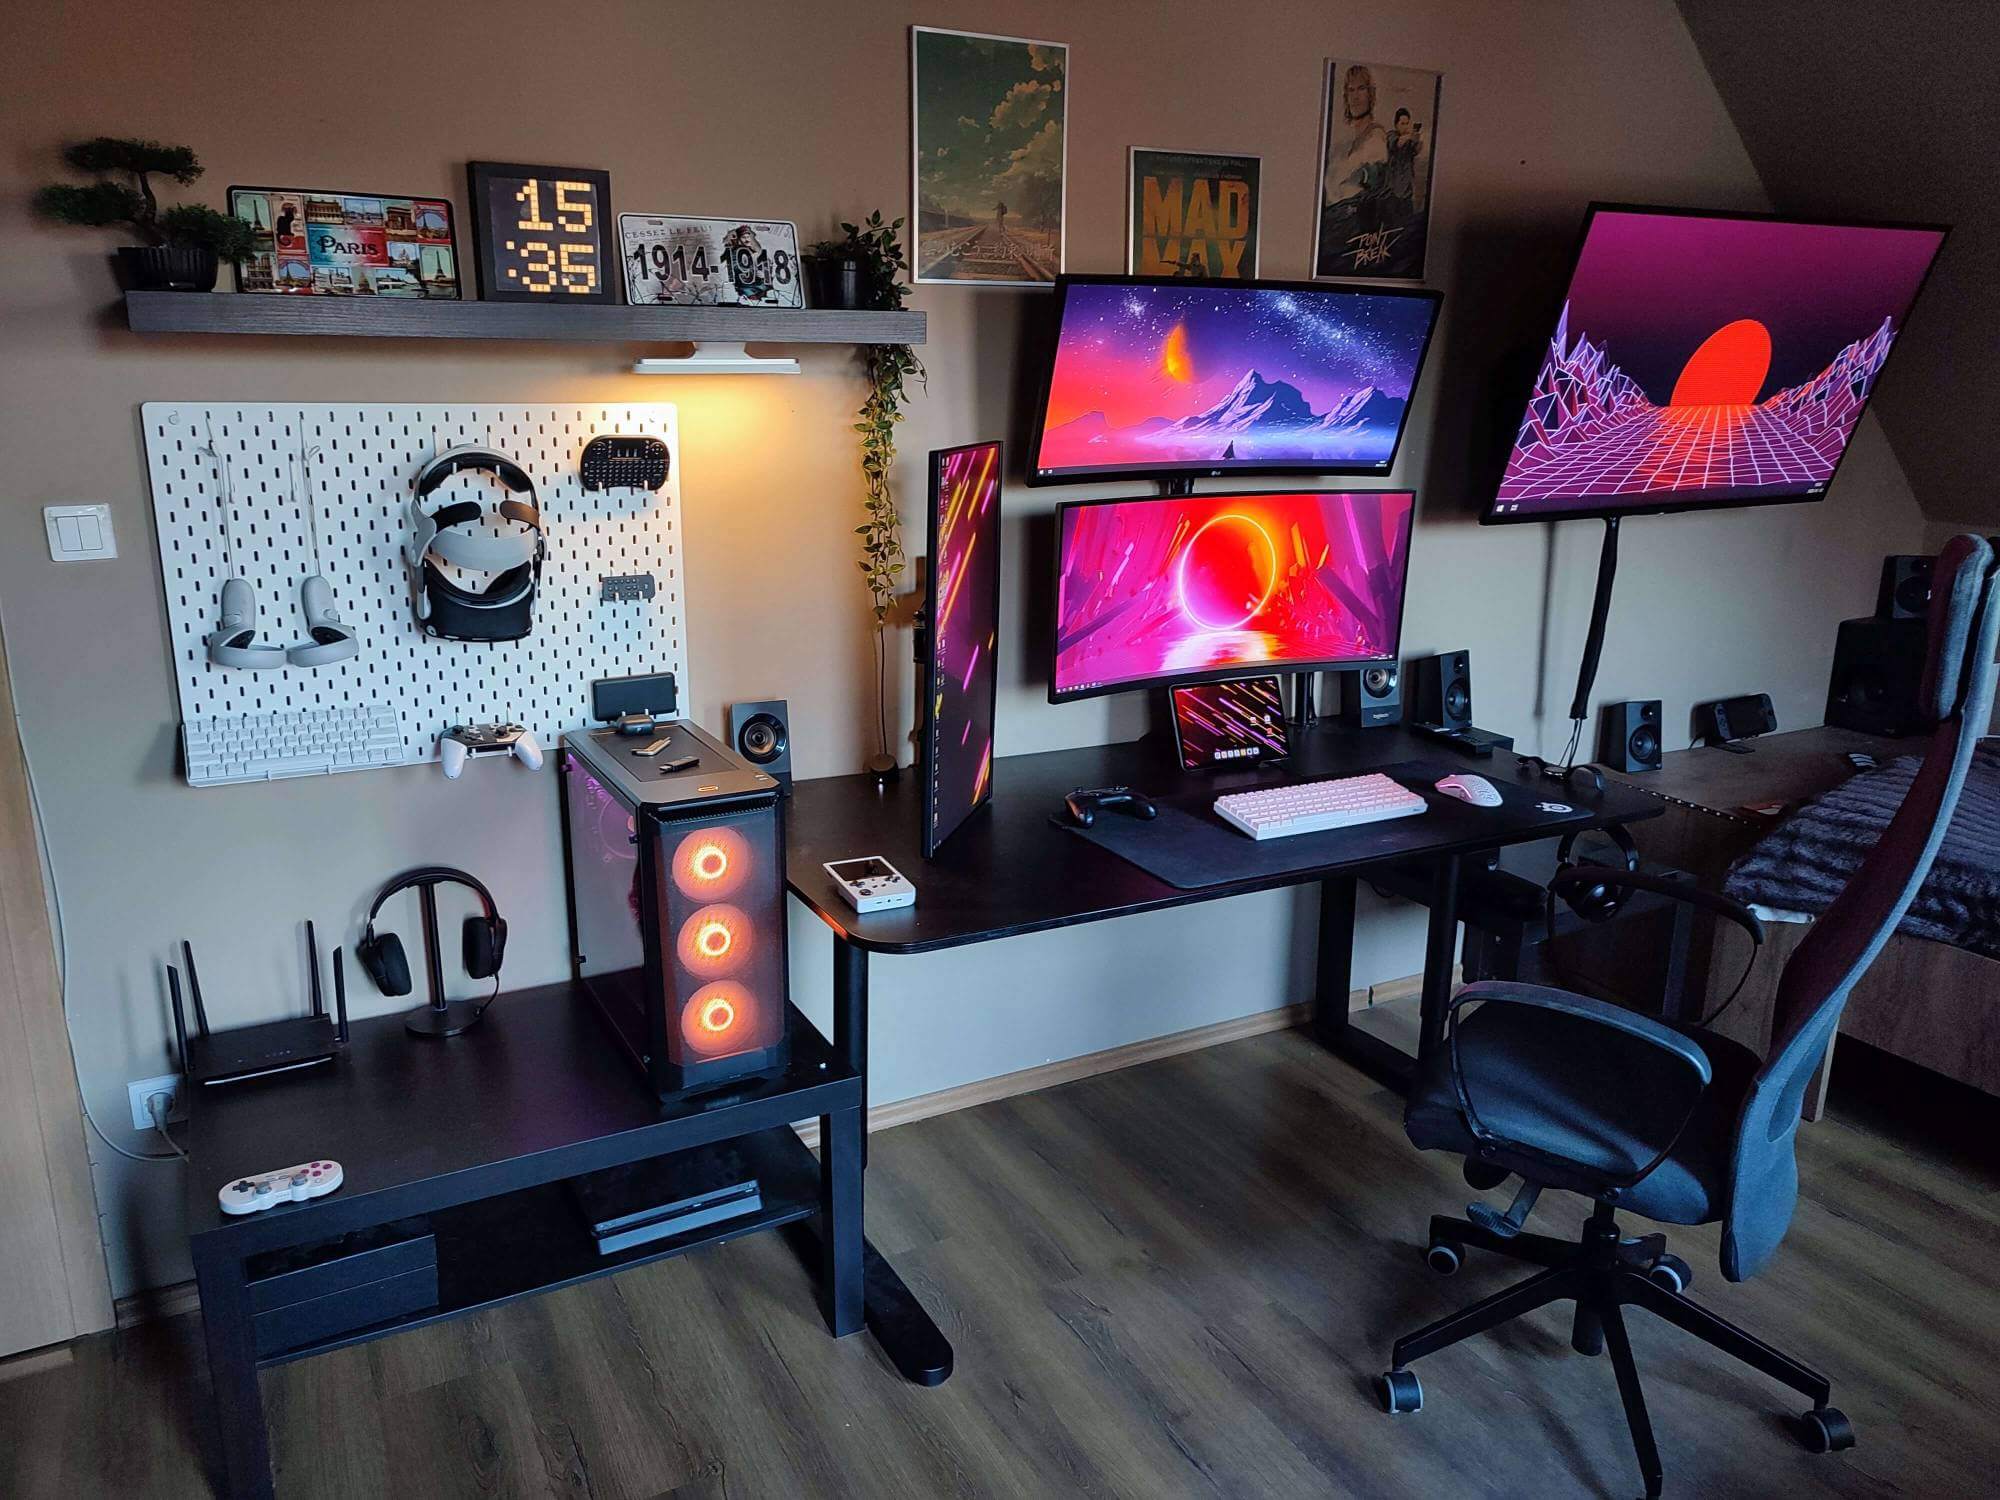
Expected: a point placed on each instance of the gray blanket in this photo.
(1803, 863)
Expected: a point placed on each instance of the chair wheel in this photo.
(1400, 1392)
(1444, 1257)
(1671, 1272)
(1586, 1332)
(1825, 1430)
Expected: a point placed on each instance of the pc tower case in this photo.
(676, 880)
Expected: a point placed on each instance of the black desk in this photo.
(478, 1133)
(1008, 872)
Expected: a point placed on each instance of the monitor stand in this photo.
(1180, 487)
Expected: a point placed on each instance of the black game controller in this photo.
(1083, 803)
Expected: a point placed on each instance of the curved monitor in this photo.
(1194, 588)
(1156, 377)
(1705, 360)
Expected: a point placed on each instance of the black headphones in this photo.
(1598, 901)
(485, 935)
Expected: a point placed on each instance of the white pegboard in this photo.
(361, 484)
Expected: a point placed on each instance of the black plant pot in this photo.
(167, 268)
(836, 283)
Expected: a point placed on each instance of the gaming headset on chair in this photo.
(485, 943)
(1601, 900)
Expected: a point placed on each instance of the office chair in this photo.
(1680, 1126)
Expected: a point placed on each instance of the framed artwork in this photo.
(989, 128)
(542, 234)
(1378, 151)
(1193, 213)
(313, 242)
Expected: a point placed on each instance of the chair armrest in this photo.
(1689, 1062)
(1673, 890)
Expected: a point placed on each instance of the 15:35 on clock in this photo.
(542, 234)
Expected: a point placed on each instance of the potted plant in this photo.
(184, 245)
(873, 254)
(837, 271)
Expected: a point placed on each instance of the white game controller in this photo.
(463, 742)
(246, 1195)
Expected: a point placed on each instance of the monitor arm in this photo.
(1600, 610)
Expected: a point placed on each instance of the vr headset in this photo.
(504, 609)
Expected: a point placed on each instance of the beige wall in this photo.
(805, 114)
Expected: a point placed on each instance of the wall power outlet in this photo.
(140, 1090)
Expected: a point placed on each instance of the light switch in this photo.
(79, 533)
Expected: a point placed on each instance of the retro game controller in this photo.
(1084, 803)
(247, 1195)
(463, 742)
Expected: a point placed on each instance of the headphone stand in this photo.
(441, 1017)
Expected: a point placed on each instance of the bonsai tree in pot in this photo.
(876, 248)
(183, 246)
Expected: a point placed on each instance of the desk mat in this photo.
(1190, 848)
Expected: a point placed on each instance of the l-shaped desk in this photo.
(1007, 872)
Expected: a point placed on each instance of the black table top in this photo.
(1009, 871)
(536, 1092)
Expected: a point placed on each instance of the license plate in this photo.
(710, 262)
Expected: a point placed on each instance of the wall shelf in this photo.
(375, 317)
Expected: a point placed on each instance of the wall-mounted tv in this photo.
(1165, 377)
(962, 610)
(1194, 588)
(1708, 359)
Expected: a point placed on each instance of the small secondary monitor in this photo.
(1705, 360)
(963, 611)
(1199, 587)
(1165, 377)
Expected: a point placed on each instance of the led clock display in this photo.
(543, 233)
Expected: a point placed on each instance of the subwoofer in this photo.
(1444, 689)
(1905, 591)
(1877, 666)
(1372, 696)
(760, 733)
(1628, 735)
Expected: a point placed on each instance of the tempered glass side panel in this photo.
(604, 866)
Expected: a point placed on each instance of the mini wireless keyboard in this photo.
(305, 742)
(1311, 806)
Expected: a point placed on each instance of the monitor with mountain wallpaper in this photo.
(1706, 359)
(1169, 377)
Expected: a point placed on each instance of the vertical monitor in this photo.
(1201, 587)
(1705, 360)
(1163, 377)
(963, 610)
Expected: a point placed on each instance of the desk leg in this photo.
(841, 1246)
(1334, 980)
(905, 1331)
(1440, 945)
(232, 1373)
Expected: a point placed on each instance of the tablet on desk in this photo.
(1232, 724)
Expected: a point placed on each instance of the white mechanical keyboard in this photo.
(304, 742)
(1309, 806)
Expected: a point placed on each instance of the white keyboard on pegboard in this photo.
(226, 748)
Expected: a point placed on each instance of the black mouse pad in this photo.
(1190, 848)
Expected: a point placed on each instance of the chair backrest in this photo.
(1957, 691)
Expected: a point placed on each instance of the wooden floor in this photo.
(1173, 1280)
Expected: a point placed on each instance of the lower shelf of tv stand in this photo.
(500, 1249)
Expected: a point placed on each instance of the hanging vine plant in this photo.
(877, 248)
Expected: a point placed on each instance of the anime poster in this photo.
(1378, 149)
(989, 117)
(1193, 213)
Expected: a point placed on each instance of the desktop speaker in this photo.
(1444, 689)
(1877, 665)
(1628, 735)
(1372, 696)
(1905, 593)
(759, 733)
